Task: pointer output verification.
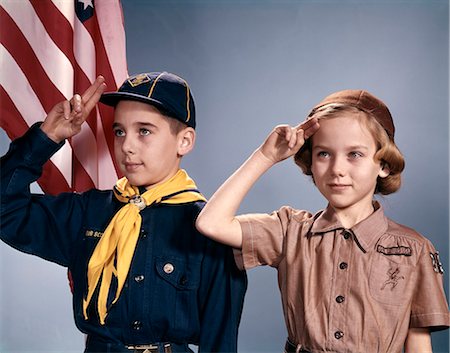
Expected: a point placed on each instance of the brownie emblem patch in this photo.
(393, 277)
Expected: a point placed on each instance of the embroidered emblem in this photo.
(138, 80)
(93, 234)
(395, 250)
(393, 278)
(437, 264)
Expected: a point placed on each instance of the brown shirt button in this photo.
(338, 335)
(346, 234)
(343, 265)
(340, 299)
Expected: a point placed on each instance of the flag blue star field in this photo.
(50, 50)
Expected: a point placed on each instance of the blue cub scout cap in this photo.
(164, 90)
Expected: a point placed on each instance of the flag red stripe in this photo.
(15, 42)
(43, 87)
(15, 126)
(60, 30)
(11, 121)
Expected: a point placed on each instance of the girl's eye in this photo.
(322, 154)
(144, 132)
(355, 155)
(119, 133)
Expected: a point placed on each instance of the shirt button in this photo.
(136, 325)
(340, 299)
(139, 278)
(183, 280)
(338, 335)
(346, 234)
(168, 268)
(343, 265)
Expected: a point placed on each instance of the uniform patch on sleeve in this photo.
(395, 250)
(437, 264)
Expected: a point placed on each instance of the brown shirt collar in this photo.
(366, 232)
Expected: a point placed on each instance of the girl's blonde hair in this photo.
(387, 152)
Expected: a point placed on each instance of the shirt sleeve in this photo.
(34, 223)
(429, 306)
(221, 297)
(263, 237)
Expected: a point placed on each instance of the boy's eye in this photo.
(144, 132)
(119, 133)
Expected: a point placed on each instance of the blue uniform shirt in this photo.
(181, 287)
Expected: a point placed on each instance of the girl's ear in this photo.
(384, 171)
(186, 141)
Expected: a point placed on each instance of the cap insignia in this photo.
(138, 80)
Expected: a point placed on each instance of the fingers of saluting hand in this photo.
(92, 95)
(288, 134)
(309, 127)
(72, 108)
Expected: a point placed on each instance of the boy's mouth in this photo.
(131, 167)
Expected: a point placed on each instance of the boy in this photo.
(351, 280)
(144, 279)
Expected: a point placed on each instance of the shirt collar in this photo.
(367, 232)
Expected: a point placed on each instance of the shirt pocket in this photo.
(178, 273)
(175, 291)
(390, 280)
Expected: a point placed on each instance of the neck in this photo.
(349, 217)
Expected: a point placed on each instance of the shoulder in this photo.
(401, 236)
(400, 230)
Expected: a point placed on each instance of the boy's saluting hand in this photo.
(284, 141)
(65, 118)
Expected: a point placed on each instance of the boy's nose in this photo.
(128, 146)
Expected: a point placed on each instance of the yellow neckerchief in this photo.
(115, 250)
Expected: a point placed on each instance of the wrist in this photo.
(262, 159)
(49, 133)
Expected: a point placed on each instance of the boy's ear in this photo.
(186, 141)
(384, 171)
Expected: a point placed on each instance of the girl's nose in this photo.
(338, 167)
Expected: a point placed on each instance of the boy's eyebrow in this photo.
(138, 123)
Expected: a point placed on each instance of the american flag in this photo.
(49, 50)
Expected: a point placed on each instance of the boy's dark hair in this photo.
(387, 151)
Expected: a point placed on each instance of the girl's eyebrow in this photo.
(354, 147)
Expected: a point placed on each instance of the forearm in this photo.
(217, 220)
(418, 341)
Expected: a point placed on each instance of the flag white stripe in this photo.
(56, 65)
(113, 34)
(84, 50)
(27, 103)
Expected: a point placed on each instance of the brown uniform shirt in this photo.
(347, 290)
